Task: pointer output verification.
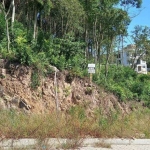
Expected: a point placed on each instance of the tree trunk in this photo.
(8, 37)
(7, 25)
(35, 23)
(13, 15)
(86, 41)
(94, 38)
(62, 25)
(100, 38)
(108, 56)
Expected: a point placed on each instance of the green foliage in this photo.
(120, 73)
(78, 112)
(143, 77)
(62, 53)
(141, 36)
(88, 91)
(35, 79)
(39, 60)
(134, 3)
(125, 83)
(103, 123)
(2, 26)
(118, 91)
(61, 38)
(137, 87)
(71, 14)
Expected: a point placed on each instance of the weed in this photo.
(102, 144)
(71, 144)
(74, 125)
(35, 80)
(2, 76)
(67, 91)
(43, 144)
(88, 91)
(78, 112)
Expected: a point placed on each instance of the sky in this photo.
(142, 18)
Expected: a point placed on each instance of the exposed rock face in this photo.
(16, 92)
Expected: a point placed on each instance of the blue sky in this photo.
(143, 17)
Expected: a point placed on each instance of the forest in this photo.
(69, 34)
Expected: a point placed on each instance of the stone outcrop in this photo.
(16, 92)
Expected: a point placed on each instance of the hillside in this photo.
(17, 92)
(85, 108)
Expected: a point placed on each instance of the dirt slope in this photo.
(16, 92)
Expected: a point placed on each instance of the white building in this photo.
(127, 57)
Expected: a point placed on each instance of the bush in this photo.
(143, 77)
(125, 83)
(118, 91)
(137, 87)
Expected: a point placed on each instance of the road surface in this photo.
(84, 144)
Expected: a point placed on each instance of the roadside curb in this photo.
(120, 141)
(9, 143)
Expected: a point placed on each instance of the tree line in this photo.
(64, 33)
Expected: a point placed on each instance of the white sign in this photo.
(91, 68)
(91, 65)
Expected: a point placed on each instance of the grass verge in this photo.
(72, 126)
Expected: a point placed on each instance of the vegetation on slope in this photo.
(126, 84)
(42, 33)
(69, 34)
(74, 125)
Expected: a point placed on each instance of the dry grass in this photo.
(16, 125)
(43, 144)
(71, 144)
(102, 144)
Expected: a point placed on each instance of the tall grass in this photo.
(18, 125)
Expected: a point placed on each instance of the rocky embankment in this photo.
(57, 89)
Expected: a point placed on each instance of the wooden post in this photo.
(56, 93)
(91, 75)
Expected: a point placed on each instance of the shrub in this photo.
(118, 91)
(143, 77)
(78, 112)
(124, 83)
(88, 91)
(35, 79)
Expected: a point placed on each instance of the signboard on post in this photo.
(91, 68)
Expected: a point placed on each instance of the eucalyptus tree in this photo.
(102, 22)
(67, 16)
(141, 38)
(116, 21)
(32, 12)
(6, 12)
(129, 6)
(131, 3)
(38, 6)
(107, 22)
